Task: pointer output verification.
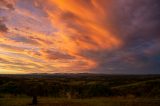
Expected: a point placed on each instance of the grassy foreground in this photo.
(115, 101)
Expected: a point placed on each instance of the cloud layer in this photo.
(102, 36)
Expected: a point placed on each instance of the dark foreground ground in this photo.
(80, 90)
(114, 101)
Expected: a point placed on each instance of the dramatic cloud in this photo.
(102, 36)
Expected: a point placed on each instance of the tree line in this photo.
(79, 88)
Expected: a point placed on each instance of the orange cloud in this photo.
(80, 22)
(78, 28)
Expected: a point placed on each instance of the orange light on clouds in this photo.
(78, 27)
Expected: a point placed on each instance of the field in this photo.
(47, 101)
(80, 90)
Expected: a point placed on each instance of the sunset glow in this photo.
(76, 36)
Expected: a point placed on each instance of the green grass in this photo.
(48, 101)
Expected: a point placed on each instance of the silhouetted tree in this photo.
(34, 100)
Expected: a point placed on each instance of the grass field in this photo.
(67, 90)
(48, 101)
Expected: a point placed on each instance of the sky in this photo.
(80, 36)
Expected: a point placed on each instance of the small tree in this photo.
(33, 92)
(34, 100)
